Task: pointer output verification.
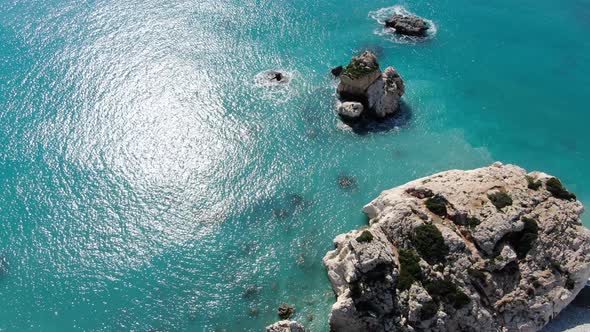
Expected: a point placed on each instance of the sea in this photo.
(150, 182)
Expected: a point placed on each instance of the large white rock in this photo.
(285, 326)
(350, 109)
(511, 283)
(384, 94)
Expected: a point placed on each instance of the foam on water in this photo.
(386, 13)
(278, 92)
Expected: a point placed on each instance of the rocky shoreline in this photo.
(492, 249)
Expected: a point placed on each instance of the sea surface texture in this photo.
(149, 182)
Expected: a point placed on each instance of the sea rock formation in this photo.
(285, 326)
(408, 25)
(491, 249)
(363, 84)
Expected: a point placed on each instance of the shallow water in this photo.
(148, 182)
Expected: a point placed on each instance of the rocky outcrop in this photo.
(363, 84)
(491, 249)
(408, 25)
(285, 326)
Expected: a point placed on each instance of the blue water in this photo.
(148, 184)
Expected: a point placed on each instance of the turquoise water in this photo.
(148, 183)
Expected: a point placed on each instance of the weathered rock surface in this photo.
(362, 82)
(285, 326)
(440, 255)
(408, 25)
(360, 73)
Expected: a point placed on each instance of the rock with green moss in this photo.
(513, 264)
(410, 270)
(446, 290)
(500, 199)
(556, 188)
(533, 183)
(356, 78)
(437, 204)
(365, 236)
(430, 243)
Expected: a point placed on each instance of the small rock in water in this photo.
(272, 77)
(281, 213)
(296, 200)
(346, 182)
(408, 25)
(285, 326)
(300, 260)
(253, 312)
(285, 311)
(337, 71)
(250, 292)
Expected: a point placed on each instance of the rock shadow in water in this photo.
(378, 50)
(347, 182)
(367, 124)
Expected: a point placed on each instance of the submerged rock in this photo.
(467, 267)
(285, 326)
(364, 89)
(408, 25)
(346, 182)
(285, 311)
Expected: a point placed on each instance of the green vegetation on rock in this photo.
(570, 283)
(410, 270)
(476, 274)
(532, 183)
(472, 222)
(430, 243)
(365, 236)
(556, 188)
(556, 266)
(437, 205)
(500, 199)
(445, 290)
(429, 309)
(357, 69)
